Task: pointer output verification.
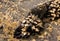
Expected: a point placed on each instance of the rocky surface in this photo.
(13, 12)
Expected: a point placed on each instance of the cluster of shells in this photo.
(33, 23)
(53, 10)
